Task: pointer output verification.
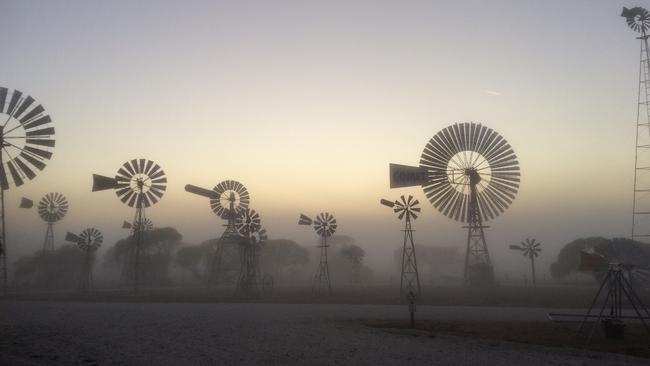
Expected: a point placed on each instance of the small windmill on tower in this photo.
(88, 241)
(531, 249)
(407, 209)
(51, 208)
(250, 228)
(324, 225)
(228, 200)
(139, 183)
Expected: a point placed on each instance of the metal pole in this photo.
(532, 262)
(3, 234)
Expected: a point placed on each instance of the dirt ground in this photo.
(635, 343)
(198, 333)
(549, 297)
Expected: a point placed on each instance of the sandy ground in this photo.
(60, 333)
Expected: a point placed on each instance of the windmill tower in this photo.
(228, 200)
(407, 209)
(88, 241)
(139, 183)
(638, 19)
(324, 225)
(250, 228)
(51, 208)
(26, 140)
(470, 174)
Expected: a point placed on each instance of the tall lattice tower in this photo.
(638, 19)
(228, 200)
(325, 226)
(407, 209)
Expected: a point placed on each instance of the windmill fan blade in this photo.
(101, 183)
(26, 203)
(73, 238)
(387, 203)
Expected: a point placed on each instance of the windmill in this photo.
(407, 209)
(470, 174)
(638, 19)
(249, 226)
(228, 199)
(531, 249)
(324, 225)
(139, 183)
(51, 208)
(616, 292)
(26, 140)
(88, 241)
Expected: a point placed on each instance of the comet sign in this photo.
(407, 176)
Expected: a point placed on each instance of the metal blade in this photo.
(18, 181)
(41, 142)
(33, 113)
(42, 153)
(42, 132)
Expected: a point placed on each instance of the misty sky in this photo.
(307, 102)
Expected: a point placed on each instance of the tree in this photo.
(354, 255)
(157, 254)
(60, 269)
(195, 258)
(283, 258)
(614, 250)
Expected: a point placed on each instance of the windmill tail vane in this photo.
(26, 203)
(126, 225)
(387, 203)
(201, 191)
(73, 238)
(102, 183)
(304, 220)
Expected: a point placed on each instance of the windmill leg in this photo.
(632, 302)
(602, 309)
(593, 302)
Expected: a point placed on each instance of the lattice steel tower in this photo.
(324, 225)
(638, 19)
(407, 209)
(228, 200)
(250, 228)
(139, 183)
(88, 241)
(51, 208)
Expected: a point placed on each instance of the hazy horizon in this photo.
(307, 104)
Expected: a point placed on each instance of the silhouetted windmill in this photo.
(638, 19)
(470, 174)
(139, 183)
(88, 241)
(51, 208)
(26, 140)
(249, 226)
(324, 225)
(407, 209)
(531, 249)
(228, 200)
